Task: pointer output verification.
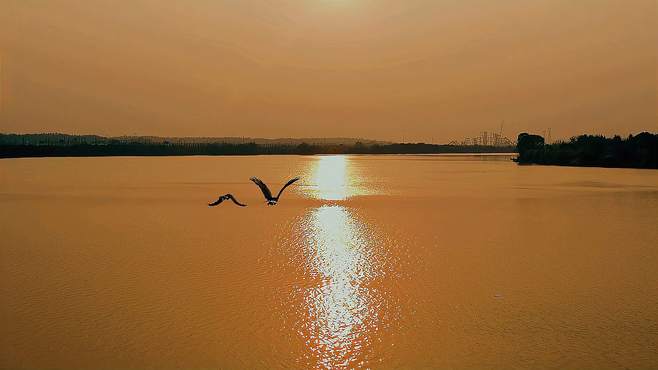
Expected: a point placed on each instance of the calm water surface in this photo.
(463, 262)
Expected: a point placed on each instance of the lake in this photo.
(434, 261)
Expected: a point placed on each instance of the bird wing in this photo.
(217, 202)
(286, 185)
(231, 197)
(266, 191)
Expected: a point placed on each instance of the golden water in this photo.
(461, 262)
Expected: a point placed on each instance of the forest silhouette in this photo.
(128, 148)
(635, 151)
(639, 151)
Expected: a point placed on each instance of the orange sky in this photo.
(418, 70)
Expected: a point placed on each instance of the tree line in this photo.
(187, 149)
(639, 151)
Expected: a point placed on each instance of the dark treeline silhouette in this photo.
(186, 149)
(59, 139)
(639, 151)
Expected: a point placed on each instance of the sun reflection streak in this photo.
(342, 309)
(331, 176)
(341, 296)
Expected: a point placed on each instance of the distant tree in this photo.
(529, 142)
(529, 147)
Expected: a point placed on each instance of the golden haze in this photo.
(414, 70)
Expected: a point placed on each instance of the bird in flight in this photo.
(271, 201)
(226, 197)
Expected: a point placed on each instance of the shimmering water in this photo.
(461, 262)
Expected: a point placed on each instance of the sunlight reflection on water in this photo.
(331, 176)
(342, 310)
(335, 178)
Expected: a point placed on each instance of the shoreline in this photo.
(172, 150)
(465, 154)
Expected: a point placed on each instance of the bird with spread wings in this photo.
(271, 200)
(226, 197)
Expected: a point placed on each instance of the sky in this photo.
(413, 70)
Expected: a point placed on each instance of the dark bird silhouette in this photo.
(226, 197)
(271, 201)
